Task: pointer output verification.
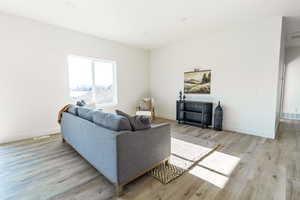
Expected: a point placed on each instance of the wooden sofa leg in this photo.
(119, 190)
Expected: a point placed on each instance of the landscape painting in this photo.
(197, 82)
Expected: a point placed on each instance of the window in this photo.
(92, 80)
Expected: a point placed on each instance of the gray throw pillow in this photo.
(111, 121)
(137, 122)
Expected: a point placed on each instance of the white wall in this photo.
(291, 106)
(245, 66)
(34, 74)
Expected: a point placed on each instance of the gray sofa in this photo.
(106, 141)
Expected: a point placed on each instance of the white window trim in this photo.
(115, 83)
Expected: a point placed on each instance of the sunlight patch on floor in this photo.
(179, 162)
(220, 162)
(188, 150)
(216, 168)
(184, 154)
(209, 176)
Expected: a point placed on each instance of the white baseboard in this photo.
(235, 129)
(16, 136)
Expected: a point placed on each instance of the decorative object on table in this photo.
(180, 95)
(194, 113)
(146, 108)
(197, 82)
(218, 118)
(80, 103)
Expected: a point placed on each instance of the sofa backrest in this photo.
(73, 110)
(107, 120)
(86, 113)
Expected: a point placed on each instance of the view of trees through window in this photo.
(92, 80)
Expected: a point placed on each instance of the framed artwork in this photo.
(197, 82)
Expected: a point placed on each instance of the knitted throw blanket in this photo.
(64, 109)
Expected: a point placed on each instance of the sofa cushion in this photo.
(111, 121)
(85, 113)
(138, 122)
(73, 110)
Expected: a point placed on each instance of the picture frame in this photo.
(197, 82)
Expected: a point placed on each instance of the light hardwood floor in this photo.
(263, 169)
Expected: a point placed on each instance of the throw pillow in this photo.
(111, 121)
(137, 122)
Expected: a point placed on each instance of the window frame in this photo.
(115, 83)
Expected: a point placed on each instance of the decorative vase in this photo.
(180, 95)
(218, 118)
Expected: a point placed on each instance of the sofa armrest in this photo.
(96, 144)
(140, 150)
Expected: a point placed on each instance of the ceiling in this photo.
(149, 23)
(292, 26)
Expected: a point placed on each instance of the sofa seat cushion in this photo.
(111, 121)
(85, 113)
(138, 122)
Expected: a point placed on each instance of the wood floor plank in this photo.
(266, 170)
